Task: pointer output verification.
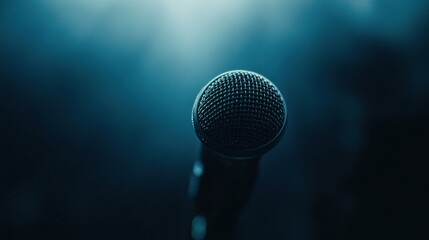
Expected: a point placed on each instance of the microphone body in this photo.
(238, 116)
(220, 188)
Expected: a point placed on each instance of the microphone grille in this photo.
(239, 111)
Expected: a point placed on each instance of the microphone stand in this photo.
(220, 186)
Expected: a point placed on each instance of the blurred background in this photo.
(96, 140)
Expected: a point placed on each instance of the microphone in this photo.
(238, 116)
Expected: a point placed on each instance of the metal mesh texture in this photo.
(241, 110)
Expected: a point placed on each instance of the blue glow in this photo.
(198, 169)
(199, 225)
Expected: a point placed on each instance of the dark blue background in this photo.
(96, 140)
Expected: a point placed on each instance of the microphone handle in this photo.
(220, 187)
